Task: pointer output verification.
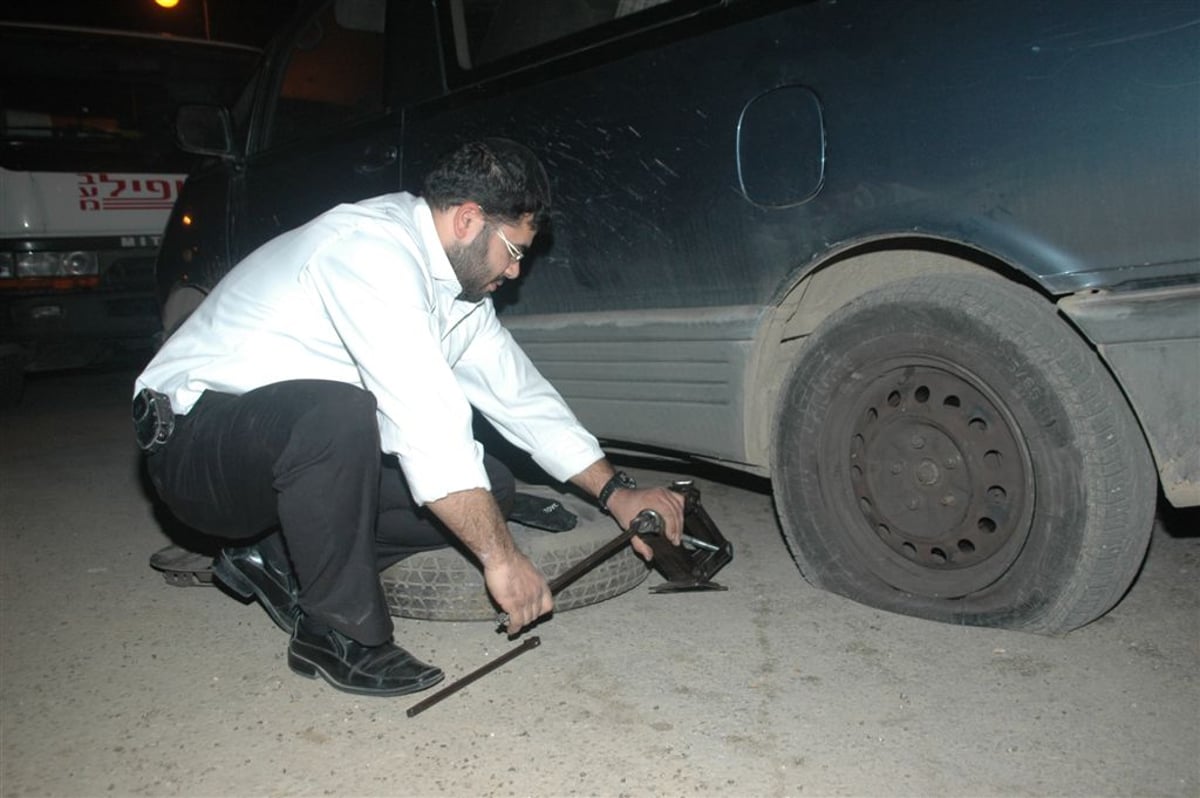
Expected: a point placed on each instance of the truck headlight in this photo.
(51, 264)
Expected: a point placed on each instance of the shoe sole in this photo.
(240, 584)
(311, 670)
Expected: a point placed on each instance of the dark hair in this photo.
(504, 177)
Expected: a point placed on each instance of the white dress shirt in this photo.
(364, 294)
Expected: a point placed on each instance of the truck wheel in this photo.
(948, 447)
(12, 381)
(447, 584)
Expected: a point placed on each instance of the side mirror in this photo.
(204, 130)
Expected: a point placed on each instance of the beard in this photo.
(470, 265)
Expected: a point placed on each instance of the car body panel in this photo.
(723, 171)
(1149, 339)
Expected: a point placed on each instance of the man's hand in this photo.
(626, 503)
(514, 582)
(519, 588)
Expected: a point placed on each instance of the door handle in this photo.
(376, 159)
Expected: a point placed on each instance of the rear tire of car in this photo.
(181, 302)
(447, 584)
(948, 447)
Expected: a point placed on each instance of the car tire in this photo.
(447, 584)
(948, 447)
(181, 302)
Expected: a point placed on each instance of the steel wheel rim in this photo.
(935, 481)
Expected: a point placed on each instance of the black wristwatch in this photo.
(619, 480)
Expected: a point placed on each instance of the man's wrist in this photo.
(618, 481)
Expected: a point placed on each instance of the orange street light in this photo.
(203, 4)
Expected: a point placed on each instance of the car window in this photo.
(489, 30)
(334, 72)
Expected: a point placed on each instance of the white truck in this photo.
(89, 172)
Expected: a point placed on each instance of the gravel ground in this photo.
(114, 683)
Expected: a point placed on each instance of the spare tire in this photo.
(447, 584)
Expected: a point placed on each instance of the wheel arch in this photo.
(817, 289)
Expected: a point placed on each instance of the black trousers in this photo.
(303, 457)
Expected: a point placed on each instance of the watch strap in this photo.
(618, 480)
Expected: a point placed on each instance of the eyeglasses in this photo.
(514, 252)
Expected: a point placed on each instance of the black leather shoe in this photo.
(348, 665)
(250, 574)
(542, 513)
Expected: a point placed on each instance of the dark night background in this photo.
(251, 22)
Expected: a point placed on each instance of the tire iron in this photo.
(483, 670)
(647, 522)
(570, 575)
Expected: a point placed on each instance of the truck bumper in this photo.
(68, 330)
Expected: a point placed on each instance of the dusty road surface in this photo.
(115, 683)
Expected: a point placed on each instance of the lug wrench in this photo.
(483, 670)
(647, 522)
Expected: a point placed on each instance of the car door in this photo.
(636, 118)
(323, 133)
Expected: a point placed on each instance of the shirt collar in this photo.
(439, 264)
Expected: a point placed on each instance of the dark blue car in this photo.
(931, 266)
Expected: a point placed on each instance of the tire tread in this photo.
(1116, 474)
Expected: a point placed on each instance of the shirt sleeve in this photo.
(381, 302)
(501, 381)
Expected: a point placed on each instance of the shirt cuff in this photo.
(568, 453)
(430, 480)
